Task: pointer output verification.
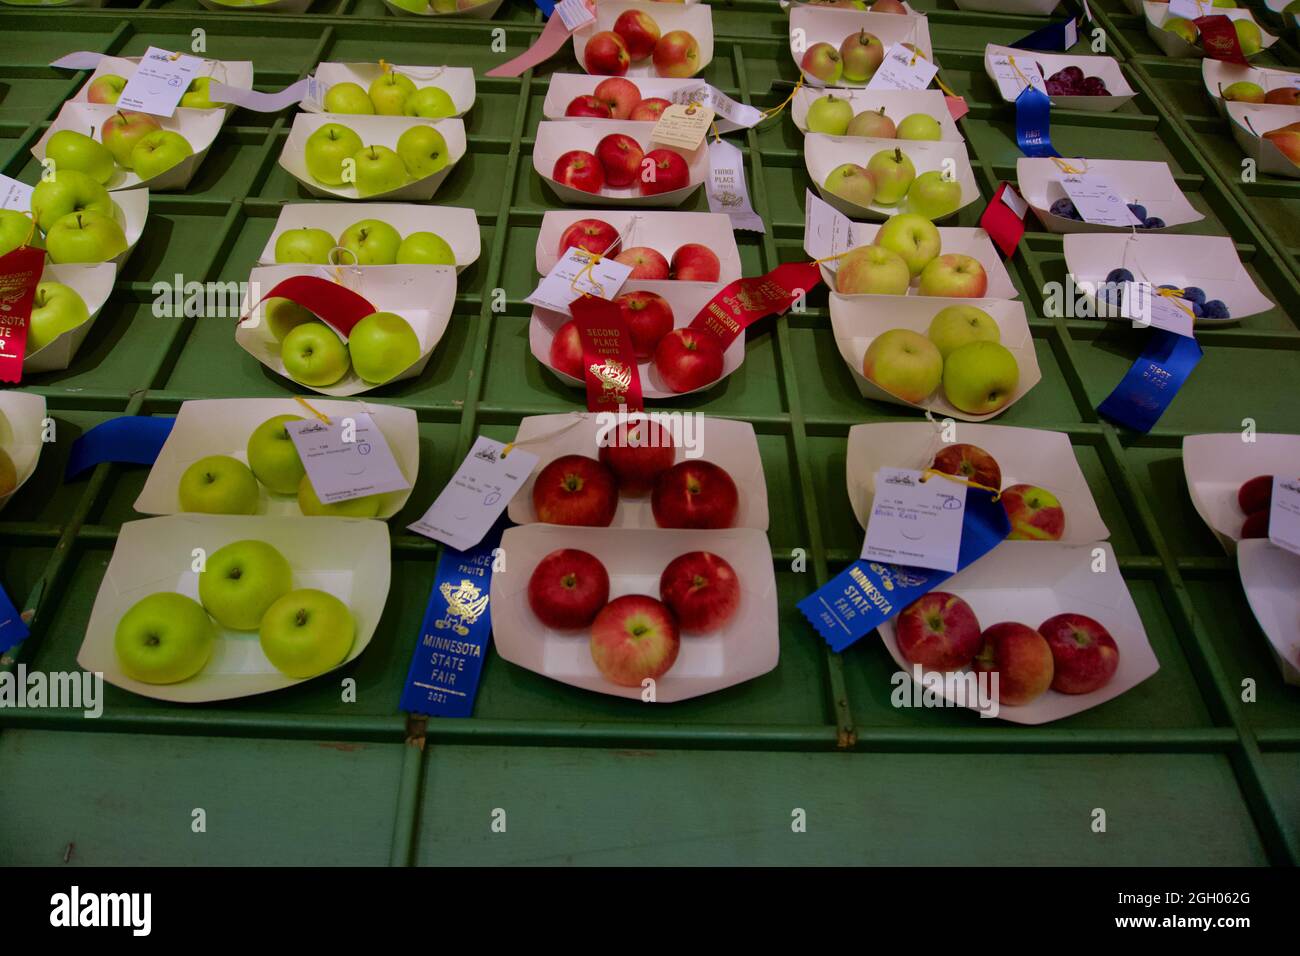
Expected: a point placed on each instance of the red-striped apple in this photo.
(576, 490)
(702, 589)
(695, 494)
(634, 638)
(568, 588)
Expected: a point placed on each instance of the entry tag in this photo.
(1012, 77)
(727, 190)
(15, 195)
(1141, 303)
(348, 458)
(1097, 201)
(903, 69)
(1189, 9)
(477, 494)
(1283, 514)
(159, 82)
(683, 125)
(574, 275)
(826, 231)
(914, 521)
(12, 629)
(574, 13)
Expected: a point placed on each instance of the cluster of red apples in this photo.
(617, 98)
(1255, 498)
(619, 162)
(1035, 513)
(636, 37)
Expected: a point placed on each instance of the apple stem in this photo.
(898, 155)
(300, 618)
(152, 640)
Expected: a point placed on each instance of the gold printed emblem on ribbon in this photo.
(465, 605)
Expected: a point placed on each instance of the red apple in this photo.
(701, 589)
(639, 33)
(970, 462)
(620, 158)
(1084, 655)
(588, 106)
(1283, 96)
(696, 263)
(1255, 525)
(1034, 512)
(568, 588)
(566, 350)
(687, 359)
(575, 489)
(620, 94)
(668, 173)
(695, 494)
(888, 6)
(938, 630)
(646, 263)
(1255, 495)
(677, 54)
(594, 235)
(606, 54)
(649, 318)
(637, 453)
(579, 169)
(1020, 657)
(649, 110)
(634, 638)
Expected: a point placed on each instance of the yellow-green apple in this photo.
(197, 95)
(158, 152)
(1084, 655)
(938, 630)
(579, 169)
(164, 638)
(425, 248)
(389, 93)
(980, 377)
(620, 159)
(872, 270)
(8, 474)
(955, 276)
(68, 191)
(620, 95)
(1287, 140)
(1243, 91)
(367, 506)
(372, 242)
(86, 236)
(218, 485)
(589, 107)
(677, 54)
(920, 126)
(702, 590)
(1184, 29)
(123, 130)
(424, 151)
(861, 54)
(306, 633)
(970, 462)
(893, 173)
(852, 183)
(914, 238)
(1020, 657)
(822, 62)
(17, 229)
(634, 638)
(285, 315)
(304, 244)
(430, 102)
(383, 345)
(72, 150)
(639, 33)
(313, 354)
(327, 150)
(646, 263)
(669, 172)
(106, 88)
(565, 353)
(693, 262)
(56, 309)
(695, 494)
(637, 453)
(379, 170)
(873, 123)
(348, 98)
(830, 114)
(649, 110)
(649, 318)
(1035, 513)
(904, 363)
(568, 588)
(241, 580)
(606, 54)
(593, 235)
(1283, 96)
(1248, 37)
(575, 490)
(932, 196)
(687, 359)
(273, 457)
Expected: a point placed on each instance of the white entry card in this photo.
(1097, 201)
(902, 69)
(15, 195)
(826, 231)
(348, 458)
(571, 277)
(159, 82)
(477, 494)
(1014, 75)
(915, 522)
(1284, 514)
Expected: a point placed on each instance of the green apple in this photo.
(893, 173)
(313, 354)
(285, 315)
(306, 633)
(932, 196)
(123, 130)
(914, 238)
(1180, 27)
(423, 150)
(430, 102)
(379, 170)
(904, 363)
(372, 242)
(348, 98)
(920, 126)
(218, 485)
(958, 325)
(425, 248)
(389, 93)
(830, 114)
(367, 506)
(85, 237)
(980, 377)
(1226, 4)
(106, 88)
(442, 6)
(851, 183)
(164, 638)
(382, 345)
(8, 474)
(273, 457)
(414, 6)
(17, 230)
(68, 191)
(158, 152)
(196, 96)
(872, 270)
(327, 149)
(304, 244)
(241, 580)
(56, 309)
(1249, 38)
(72, 150)
(1243, 91)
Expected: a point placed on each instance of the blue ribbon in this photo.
(867, 593)
(1050, 37)
(546, 6)
(12, 629)
(1033, 123)
(136, 439)
(1150, 385)
(454, 638)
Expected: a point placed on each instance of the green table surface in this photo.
(807, 764)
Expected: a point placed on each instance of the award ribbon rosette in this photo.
(20, 273)
(331, 301)
(608, 361)
(1148, 388)
(741, 303)
(867, 593)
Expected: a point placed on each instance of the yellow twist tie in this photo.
(592, 259)
(768, 114)
(1179, 295)
(307, 405)
(1066, 167)
(997, 494)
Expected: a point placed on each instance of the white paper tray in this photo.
(834, 24)
(960, 240)
(1106, 67)
(1155, 14)
(1149, 183)
(22, 423)
(897, 104)
(94, 283)
(824, 153)
(456, 81)
(695, 18)
(1250, 122)
(1270, 576)
(1217, 465)
(557, 137)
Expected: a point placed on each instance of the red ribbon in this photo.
(999, 220)
(608, 360)
(333, 303)
(20, 274)
(1219, 38)
(740, 304)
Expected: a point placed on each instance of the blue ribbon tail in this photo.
(1148, 388)
(1033, 123)
(135, 439)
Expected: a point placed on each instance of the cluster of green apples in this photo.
(392, 94)
(889, 178)
(369, 242)
(438, 6)
(379, 347)
(247, 585)
(335, 155)
(834, 115)
(1249, 37)
(76, 220)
